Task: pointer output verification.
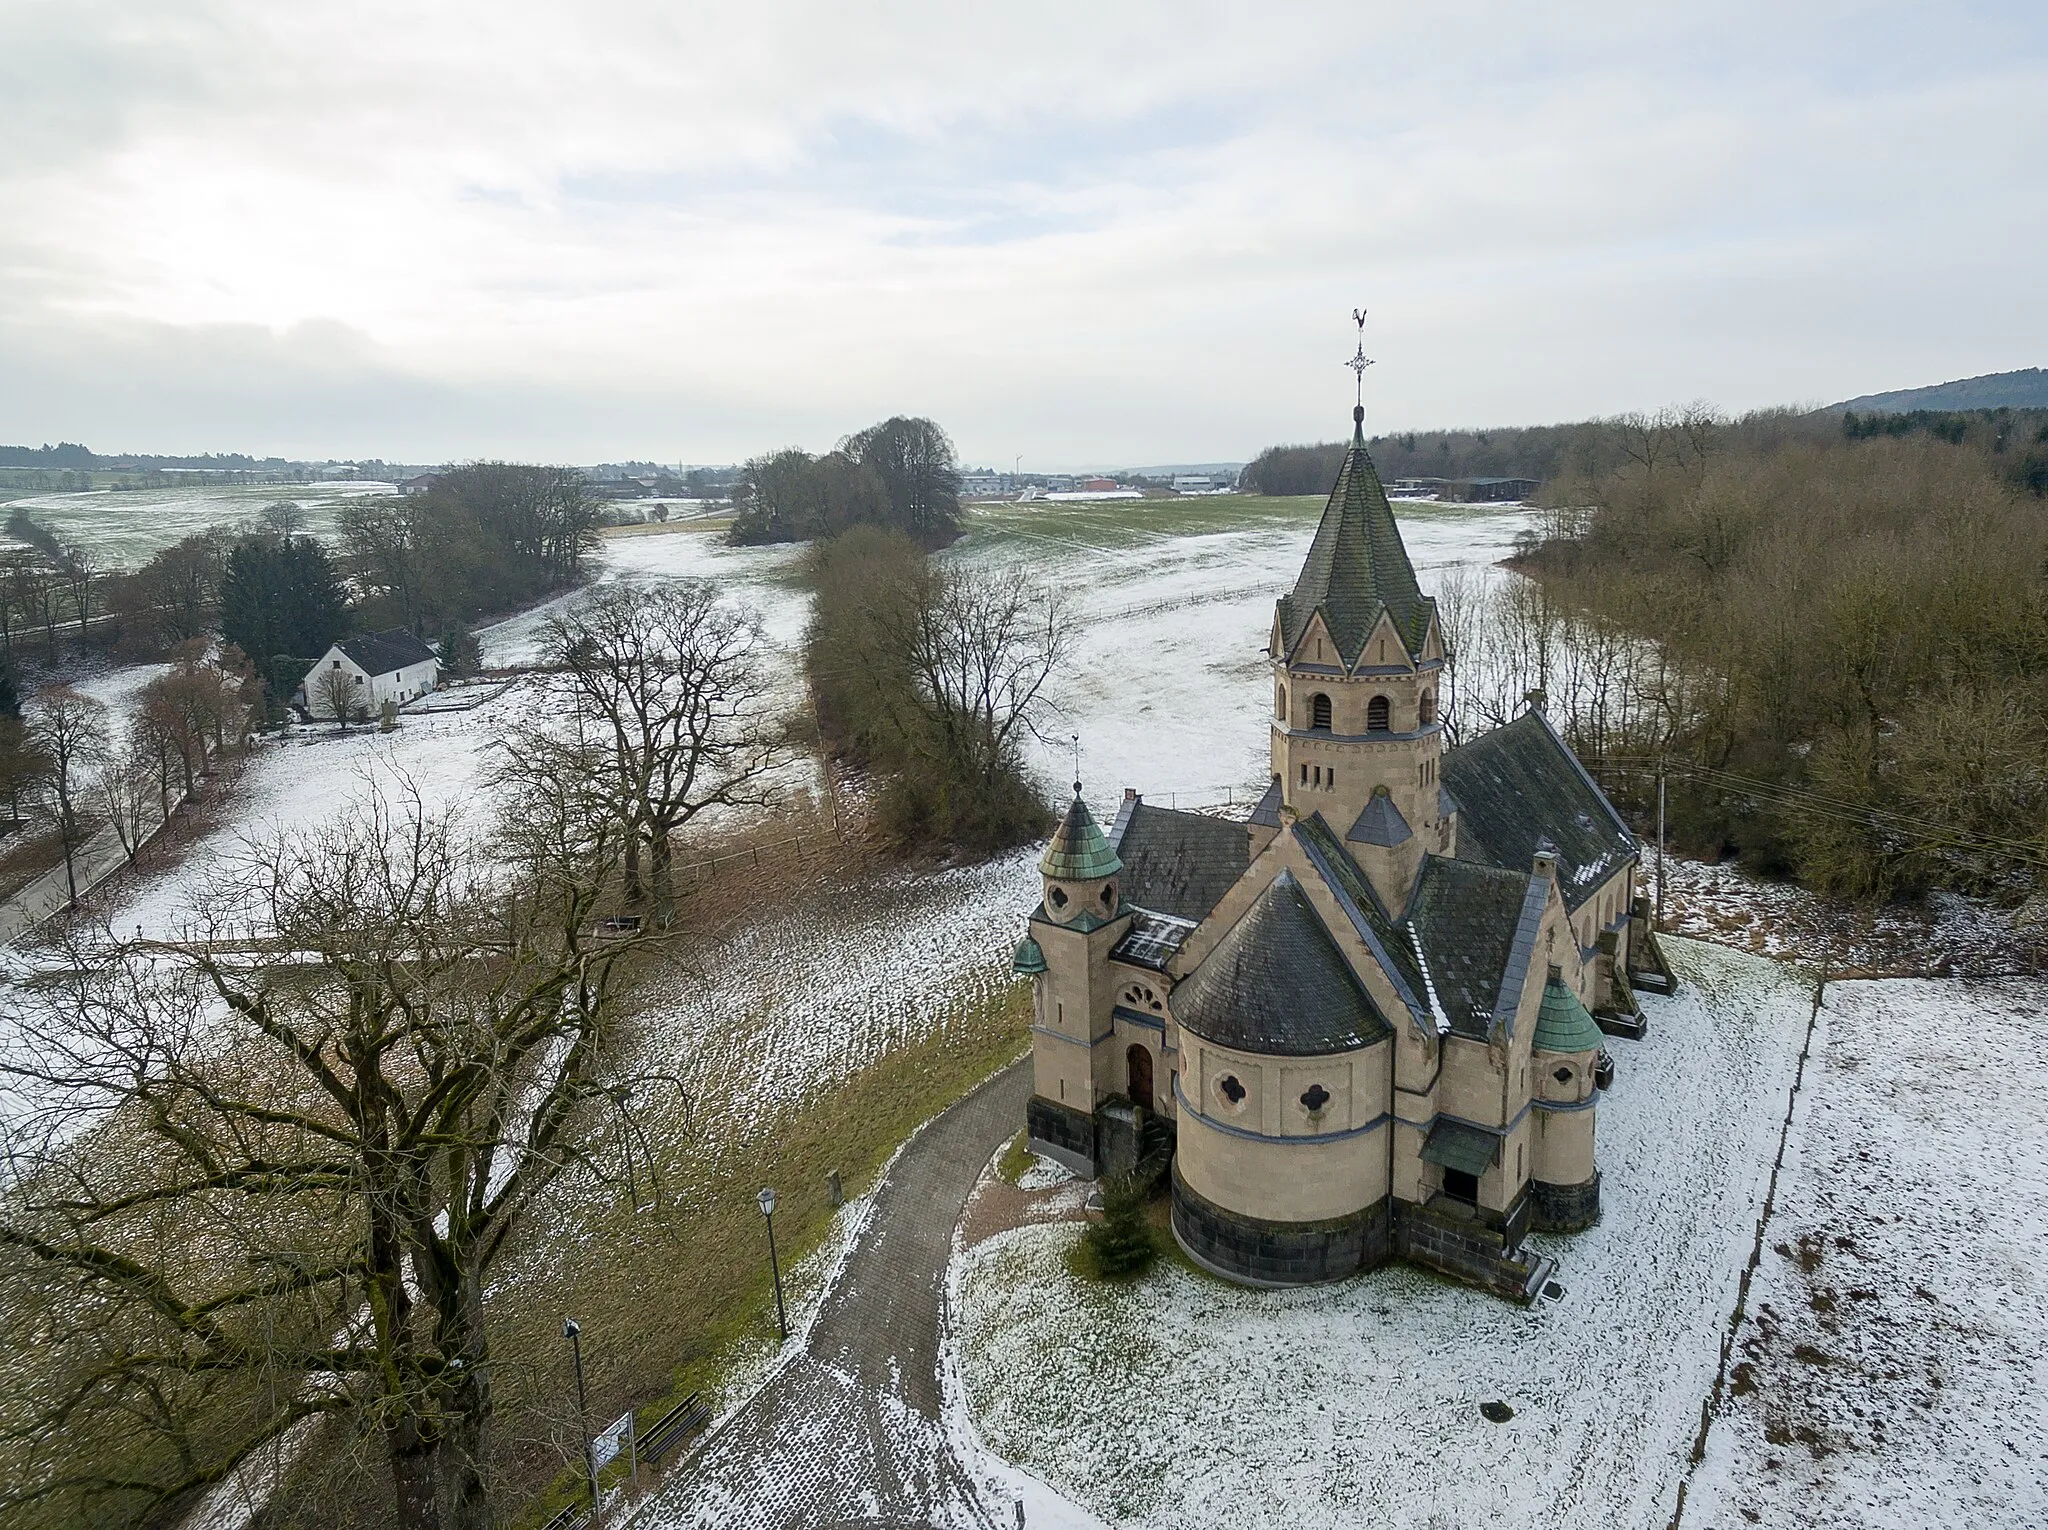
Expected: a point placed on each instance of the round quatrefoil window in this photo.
(1231, 1090)
(1563, 1075)
(1314, 1098)
(1059, 898)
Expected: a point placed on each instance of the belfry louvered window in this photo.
(1378, 715)
(1319, 712)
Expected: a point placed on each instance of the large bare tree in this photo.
(256, 1187)
(69, 731)
(665, 683)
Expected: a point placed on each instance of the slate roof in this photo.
(1178, 863)
(1267, 813)
(1078, 852)
(1521, 783)
(384, 653)
(1356, 566)
(1379, 823)
(1477, 926)
(1378, 929)
(1277, 984)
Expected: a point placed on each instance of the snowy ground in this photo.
(1890, 1370)
(1943, 936)
(1186, 1401)
(123, 529)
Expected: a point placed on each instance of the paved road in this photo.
(49, 894)
(849, 1432)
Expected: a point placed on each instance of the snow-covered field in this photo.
(1166, 686)
(1891, 1366)
(1185, 1401)
(123, 529)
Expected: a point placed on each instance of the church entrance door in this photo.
(1138, 1063)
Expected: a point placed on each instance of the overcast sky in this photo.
(1082, 233)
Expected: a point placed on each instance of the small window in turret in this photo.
(1563, 1075)
(1314, 1098)
(1232, 1091)
(1057, 898)
(1109, 895)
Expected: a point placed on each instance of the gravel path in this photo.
(849, 1432)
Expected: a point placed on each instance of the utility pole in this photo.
(1660, 844)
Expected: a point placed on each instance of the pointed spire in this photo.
(1079, 851)
(1357, 566)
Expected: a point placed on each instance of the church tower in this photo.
(1358, 660)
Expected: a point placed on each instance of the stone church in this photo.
(1371, 1018)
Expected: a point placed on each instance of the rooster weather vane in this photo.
(1361, 361)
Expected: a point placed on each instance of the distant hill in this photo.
(2025, 389)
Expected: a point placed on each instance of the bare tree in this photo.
(69, 730)
(127, 783)
(336, 692)
(250, 1194)
(665, 679)
(981, 648)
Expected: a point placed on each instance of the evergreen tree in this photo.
(1121, 1243)
(281, 597)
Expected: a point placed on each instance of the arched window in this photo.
(1428, 708)
(1377, 715)
(1319, 712)
(1280, 704)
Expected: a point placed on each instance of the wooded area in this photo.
(1854, 621)
(901, 474)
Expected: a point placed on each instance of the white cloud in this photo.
(1078, 232)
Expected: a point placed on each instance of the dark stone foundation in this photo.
(1565, 1208)
(1062, 1134)
(1453, 1239)
(1265, 1253)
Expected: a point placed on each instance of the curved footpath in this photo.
(849, 1432)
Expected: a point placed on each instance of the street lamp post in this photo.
(766, 1201)
(574, 1335)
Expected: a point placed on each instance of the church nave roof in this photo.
(1276, 983)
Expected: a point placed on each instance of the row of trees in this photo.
(934, 676)
(901, 474)
(1857, 621)
(64, 764)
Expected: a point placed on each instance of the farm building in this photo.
(360, 674)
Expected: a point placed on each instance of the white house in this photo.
(384, 666)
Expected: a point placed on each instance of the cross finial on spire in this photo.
(1358, 364)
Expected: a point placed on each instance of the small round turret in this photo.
(1080, 870)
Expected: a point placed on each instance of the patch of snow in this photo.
(1890, 1367)
(1045, 1174)
(1357, 1403)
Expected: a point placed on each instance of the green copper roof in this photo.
(1030, 959)
(1079, 852)
(1356, 566)
(1562, 1024)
